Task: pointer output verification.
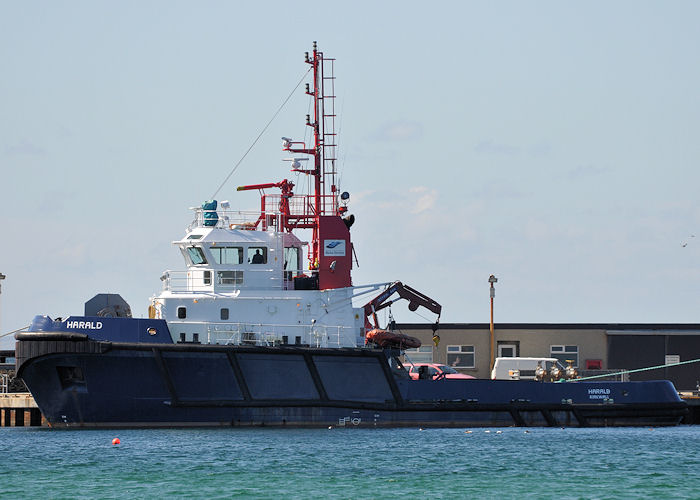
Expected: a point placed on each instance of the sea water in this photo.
(351, 463)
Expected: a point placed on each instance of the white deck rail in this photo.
(267, 334)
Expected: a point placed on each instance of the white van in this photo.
(520, 368)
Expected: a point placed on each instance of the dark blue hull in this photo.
(77, 381)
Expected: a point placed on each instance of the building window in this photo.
(230, 277)
(181, 312)
(564, 352)
(422, 354)
(227, 255)
(257, 255)
(508, 349)
(460, 356)
(224, 313)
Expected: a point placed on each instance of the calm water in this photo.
(351, 463)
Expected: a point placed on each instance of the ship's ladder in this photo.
(328, 132)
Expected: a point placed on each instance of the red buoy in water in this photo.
(115, 441)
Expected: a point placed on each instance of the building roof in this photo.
(645, 327)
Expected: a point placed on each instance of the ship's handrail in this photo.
(300, 207)
(242, 333)
(193, 280)
(229, 219)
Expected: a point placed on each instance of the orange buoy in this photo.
(115, 441)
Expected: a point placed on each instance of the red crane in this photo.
(414, 297)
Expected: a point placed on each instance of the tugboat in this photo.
(262, 329)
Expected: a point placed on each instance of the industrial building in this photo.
(593, 347)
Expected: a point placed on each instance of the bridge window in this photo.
(291, 263)
(291, 259)
(460, 356)
(230, 277)
(196, 255)
(564, 352)
(227, 255)
(257, 255)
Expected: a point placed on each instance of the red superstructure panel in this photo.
(335, 261)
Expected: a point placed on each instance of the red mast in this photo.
(320, 210)
(325, 201)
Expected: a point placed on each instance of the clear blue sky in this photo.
(553, 144)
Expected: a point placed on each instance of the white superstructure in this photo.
(246, 286)
(250, 280)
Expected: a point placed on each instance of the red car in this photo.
(435, 371)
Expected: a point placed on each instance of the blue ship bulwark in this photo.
(121, 373)
(110, 329)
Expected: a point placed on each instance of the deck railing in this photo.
(229, 219)
(195, 280)
(301, 207)
(267, 334)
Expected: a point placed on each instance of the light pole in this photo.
(2, 277)
(492, 290)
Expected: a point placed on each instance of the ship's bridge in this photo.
(221, 259)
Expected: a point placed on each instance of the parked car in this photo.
(435, 371)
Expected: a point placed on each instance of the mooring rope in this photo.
(622, 372)
(14, 331)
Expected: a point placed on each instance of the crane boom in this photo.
(415, 299)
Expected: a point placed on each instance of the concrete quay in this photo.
(19, 409)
